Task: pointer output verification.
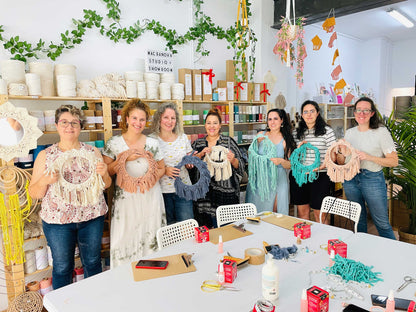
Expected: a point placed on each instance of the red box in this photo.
(302, 229)
(338, 246)
(318, 299)
(230, 270)
(201, 234)
(412, 307)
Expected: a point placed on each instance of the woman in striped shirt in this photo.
(314, 130)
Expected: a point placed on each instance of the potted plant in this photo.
(404, 175)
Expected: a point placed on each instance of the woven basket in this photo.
(406, 237)
(30, 301)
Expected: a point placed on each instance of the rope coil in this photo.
(304, 173)
(201, 187)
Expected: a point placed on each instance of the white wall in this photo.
(404, 64)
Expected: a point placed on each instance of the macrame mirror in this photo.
(78, 182)
(19, 132)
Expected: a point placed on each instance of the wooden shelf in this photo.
(49, 267)
(61, 98)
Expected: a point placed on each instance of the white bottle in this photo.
(270, 279)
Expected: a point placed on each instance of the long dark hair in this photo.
(286, 130)
(374, 120)
(320, 123)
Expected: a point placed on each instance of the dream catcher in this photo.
(218, 164)
(130, 183)
(78, 183)
(15, 207)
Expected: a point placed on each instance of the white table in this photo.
(115, 290)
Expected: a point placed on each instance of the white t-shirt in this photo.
(173, 152)
(375, 142)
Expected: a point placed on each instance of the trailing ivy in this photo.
(23, 50)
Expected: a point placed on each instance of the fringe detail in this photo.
(304, 174)
(340, 173)
(262, 172)
(218, 164)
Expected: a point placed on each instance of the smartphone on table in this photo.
(152, 264)
(354, 308)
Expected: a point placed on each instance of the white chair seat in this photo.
(176, 232)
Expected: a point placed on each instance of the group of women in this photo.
(151, 162)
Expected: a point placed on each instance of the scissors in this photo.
(213, 286)
(407, 280)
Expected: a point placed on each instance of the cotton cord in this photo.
(284, 252)
(218, 164)
(262, 172)
(178, 91)
(18, 89)
(141, 89)
(13, 71)
(131, 89)
(3, 86)
(301, 172)
(339, 173)
(33, 84)
(133, 75)
(129, 183)
(351, 270)
(66, 85)
(164, 91)
(152, 90)
(201, 187)
(45, 72)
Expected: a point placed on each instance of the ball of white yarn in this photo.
(141, 90)
(131, 89)
(13, 71)
(33, 84)
(151, 77)
(133, 75)
(66, 85)
(164, 91)
(18, 89)
(152, 90)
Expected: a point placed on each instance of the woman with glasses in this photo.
(375, 148)
(66, 225)
(136, 216)
(174, 146)
(314, 130)
(279, 131)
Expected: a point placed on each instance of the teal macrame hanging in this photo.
(262, 172)
(302, 173)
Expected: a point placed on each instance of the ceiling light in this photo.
(401, 18)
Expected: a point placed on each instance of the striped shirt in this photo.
(322, 142)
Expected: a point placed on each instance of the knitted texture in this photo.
(201, 187)
(218, 164)
(262, 172)
(300, 172)
(129, 183)
(341, 172)
(283, 252)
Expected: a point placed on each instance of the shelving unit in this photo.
(338, 116)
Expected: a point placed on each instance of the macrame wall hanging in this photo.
(218, 164)
(262, 172)
(342, 161)
(129, 183)
(15, 207)
(304, 173)
(201, 187)
(78, 182)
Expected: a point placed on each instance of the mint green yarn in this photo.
(262, 172)
(304, 174)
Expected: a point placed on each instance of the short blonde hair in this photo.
(128, 107)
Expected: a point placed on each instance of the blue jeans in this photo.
(370, 187)
(62, 239)
(177, 208)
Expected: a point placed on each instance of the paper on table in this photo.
(228, 232)
(176, 266)
(283, 221)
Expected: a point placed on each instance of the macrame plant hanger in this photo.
(292, 27)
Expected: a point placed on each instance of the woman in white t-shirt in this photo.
(376, 150)
(174, 146)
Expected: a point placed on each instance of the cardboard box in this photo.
(250, 91)
(230, 270)
(196, 85)
(338, 246)
(229, 85)
(256, 92)
(222, 94)
(201, 234)
(318, 299)
(264, 92)
(206, 84)
(230, 72)
(302, 229)
(241, 94)
(185, 77)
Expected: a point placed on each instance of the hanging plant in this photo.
(24, 50)
(290, 46)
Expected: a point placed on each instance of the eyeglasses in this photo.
(364, 111)
(65, 123)
(312, 111)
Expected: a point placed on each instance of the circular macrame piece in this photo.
(30, 301)
(342, 161)
(129, 183)
(201, 187)
(78, 182)
(263, 173)
(301, 172)
(218, 164)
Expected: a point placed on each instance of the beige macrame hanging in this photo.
(342, 161)
(218, 164)
(80, 193)
(129, 183)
